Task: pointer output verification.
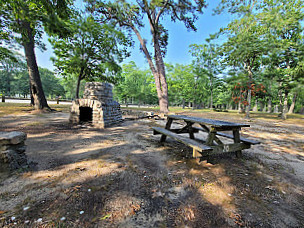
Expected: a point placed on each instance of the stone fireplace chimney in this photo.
(97, 106)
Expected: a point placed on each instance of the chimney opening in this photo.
(86, 114)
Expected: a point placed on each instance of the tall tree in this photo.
(245, 45)
(206, 57)
(283, 21)
(92, 52)
(24, 21)
(130, 16)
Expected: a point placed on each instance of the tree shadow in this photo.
(134, 181)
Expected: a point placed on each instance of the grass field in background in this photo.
(20, 108)
(292, 118)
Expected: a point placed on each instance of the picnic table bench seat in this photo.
(242, 139)
(197, 146)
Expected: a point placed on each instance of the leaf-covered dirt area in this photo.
(122, 176)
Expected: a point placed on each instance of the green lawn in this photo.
(20, 108)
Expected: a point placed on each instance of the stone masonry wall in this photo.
(12, 151)
(99, 97)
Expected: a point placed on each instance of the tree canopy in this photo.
(24, 23)
(129, 15)
(93, 52)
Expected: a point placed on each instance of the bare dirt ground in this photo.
(123, 177)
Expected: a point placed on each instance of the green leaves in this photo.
(93, 49)
(41, 15)
(136, 84)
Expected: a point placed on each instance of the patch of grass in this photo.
(61, 107)
(291, 118)
(20, 108)
(33, 124)
(14, 109)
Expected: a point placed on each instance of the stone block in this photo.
(13, 137)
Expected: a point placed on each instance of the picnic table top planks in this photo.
(215, 123)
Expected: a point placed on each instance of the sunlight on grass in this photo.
(291, 118)
(32, 124)
(21, 109)
(14, 109)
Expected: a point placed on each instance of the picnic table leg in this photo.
(236, 138)
(168, 126)
(190, 129)
(211, 136)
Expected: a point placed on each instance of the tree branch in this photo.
(145, 50)
(161, 11)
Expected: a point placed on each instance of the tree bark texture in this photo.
(269, 106)
(34, 76)
(211, 94)
(280, 100)
(255, 107)
(80, 77)
(158, 69)
(250, 75)
(292, 106)
(285, 106)
(163, 99)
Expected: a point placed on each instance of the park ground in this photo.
(123, 177)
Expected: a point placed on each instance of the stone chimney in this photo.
(97, 106)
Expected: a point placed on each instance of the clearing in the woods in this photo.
(123, 177)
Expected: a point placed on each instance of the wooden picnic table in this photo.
(214, 128)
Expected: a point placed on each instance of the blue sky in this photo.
(178, 43)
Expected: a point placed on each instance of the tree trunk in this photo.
(263, 107)
(285, 106)
(163, 100)
(211, 95)
(269, 107)
(255, 107)
(249, 94)
(8, 84)
(280, 100)
(183, 103)
(34, 76)
(31, 95)
(78, 82)
(292, 104)
(158, 71)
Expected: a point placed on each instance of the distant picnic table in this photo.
(214, 128)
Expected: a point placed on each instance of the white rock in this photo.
(89, 190)
(13, 218)
(81, 212)
(39, 220)
(63, 218)
(26, 208)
